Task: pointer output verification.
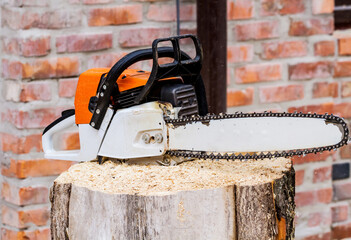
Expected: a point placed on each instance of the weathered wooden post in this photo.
(195, 200)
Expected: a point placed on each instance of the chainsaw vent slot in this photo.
(181, 95)
(126, 98)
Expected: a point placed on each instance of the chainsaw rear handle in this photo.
(90, 139)
(59, 125)
(183, 66)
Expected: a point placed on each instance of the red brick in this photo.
(291, 6)
(64, 18)
(83, 42)
(322, 174)
(318, 219)
(240, 53)
(28, 47)
(319, 108)
(26, 19)
(346, 89)
(269, 7)
(256, 30)
(90, 2)
(285, 49)
(11, 69)
(24, 195)
(34, 168)
(340, 212)
(38, 118)
(342, 190)
(187, 30)
(10, 45)
(345, 152)
(313, 197)
(301, 71)
(320, 236)
(281, 7)
(325, 89)
(314, 26)
(258, 73)
(239, 97)
(168, 13)
(35, 91)
(70, 141)
(67, 87)
(35, 46)
(104, 60)
(141, 36)
(312, 158)
(340, 109)
(324, 195)
(240, 9)
(25, 218)
(344, 46)
(115, 15)
(39, 234)
(341, 231)
(33, 195)
(41, 68)
(299, 177)
(20, 145)
(281, 93)
(342, 69)
(60, 67)
(322, 6)
(324, 48)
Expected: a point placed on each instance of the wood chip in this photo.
(114, 177)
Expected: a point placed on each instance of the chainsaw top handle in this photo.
(183, 66)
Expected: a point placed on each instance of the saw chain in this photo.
(256, 155)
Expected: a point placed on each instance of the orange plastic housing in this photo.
(88, 82)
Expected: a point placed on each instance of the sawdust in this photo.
(114, 177)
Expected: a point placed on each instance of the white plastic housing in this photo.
(90, 140)
(124, 138)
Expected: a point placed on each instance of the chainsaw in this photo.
(130, 114)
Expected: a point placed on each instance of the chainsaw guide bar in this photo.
(254, 155)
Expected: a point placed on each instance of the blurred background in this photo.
(277, 55)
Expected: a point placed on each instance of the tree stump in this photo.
(195, 200)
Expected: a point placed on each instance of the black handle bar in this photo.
(183, 66)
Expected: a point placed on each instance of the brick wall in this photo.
(283, 55)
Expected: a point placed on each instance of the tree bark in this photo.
(243, 209)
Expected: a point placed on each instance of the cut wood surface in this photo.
(194, 200)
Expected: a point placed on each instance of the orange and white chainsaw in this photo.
(133, 114)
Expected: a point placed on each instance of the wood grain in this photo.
(245, 210)
(60, 200)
